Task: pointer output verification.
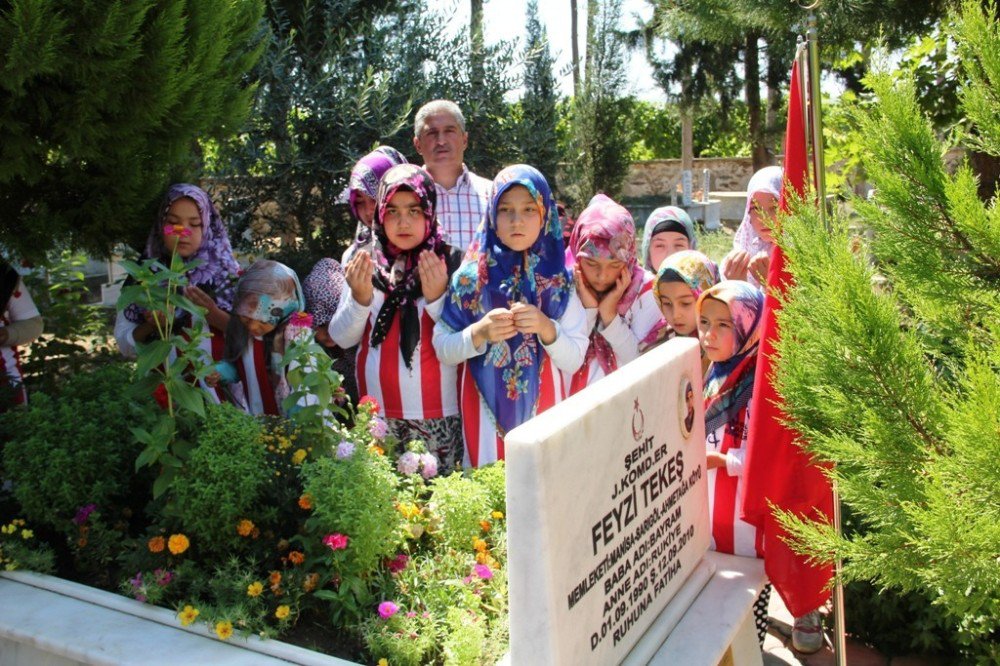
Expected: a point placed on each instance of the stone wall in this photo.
(654, 178)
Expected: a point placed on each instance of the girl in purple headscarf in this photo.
(617, 294)
(188, 224)
(362, 189)
(395, 295)
(511, 315)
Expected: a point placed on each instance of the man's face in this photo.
(441, 142)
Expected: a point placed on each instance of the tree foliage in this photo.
(891, 367)
(601, 138)
(537, 136)
(331, 89)
(101, 104)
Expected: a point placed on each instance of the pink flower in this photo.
(378, 427)
(387, 609)
(398, 563)
(83, 513)
(408, 463)
(335, 541)
(429, 464)
(345, 450)
(483, 571)
(301, 319)
(176, 230)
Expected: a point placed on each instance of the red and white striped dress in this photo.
(19, 307)
(730, 534)
(255, 388)
(212, 348)
(625, 334)
(483, 443)
(427, 390)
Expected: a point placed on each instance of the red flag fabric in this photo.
(776, 469)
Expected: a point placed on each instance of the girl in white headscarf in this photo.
(752, 243)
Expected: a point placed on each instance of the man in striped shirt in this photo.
(439, 137)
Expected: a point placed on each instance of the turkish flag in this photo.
(776, 469)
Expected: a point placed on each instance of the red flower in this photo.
(161, 397)
(370, 402)
(397, 564)
(301, 319)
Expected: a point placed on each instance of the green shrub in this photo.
(461, 504)
(222, 481)
(354, 496)
(493, 478)
(75, 448)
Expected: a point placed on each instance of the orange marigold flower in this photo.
(306, 502)
(245, 527)
(157, 544)
(483, 557)
(274, 578)
(376, 449)
(485, 524)
(296, 557)
(178, 543)
(82, 542)
(479, 545)
(311, 582)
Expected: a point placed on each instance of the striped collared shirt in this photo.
(460, 209)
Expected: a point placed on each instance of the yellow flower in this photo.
(282, 612)
(298, 456)
(245, 527)
(188, 615)
(224, 629)
(482, 557)
(178, 543)
(254, 589)
(376, 449)
(479, 545)
(27, 534)
(383, 662)
(9, 529)
(497, 515)
(157, 544)
(408, 510)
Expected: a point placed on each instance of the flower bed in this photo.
(320, 528)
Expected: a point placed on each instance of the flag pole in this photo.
(819, 169)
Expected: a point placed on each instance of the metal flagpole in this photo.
(819, 169)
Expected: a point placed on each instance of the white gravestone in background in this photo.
(607, 510)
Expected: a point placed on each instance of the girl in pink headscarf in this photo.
(623, 316)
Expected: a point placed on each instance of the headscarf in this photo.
(268, 292)
(729, 383)
(692, 268)
(396, 271)
(322, 289)
(666, 218)
(768, 180)
(604, 230)
(364, 179)
(494, 276)
(217, 272)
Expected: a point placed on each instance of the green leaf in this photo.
(164, 481)
(148, 456)
(151, 355)
(189, 397)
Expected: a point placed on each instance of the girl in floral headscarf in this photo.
(668, 229)
(267, 295)
(511, 315)
(682, 278)
(361, 191)
(394, 299)
(188, 224)
(729, 317)
(752, 243)
(617, 294)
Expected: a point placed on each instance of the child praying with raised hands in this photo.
(511, 315)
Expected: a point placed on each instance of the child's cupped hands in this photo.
(588, 297)
(495, 326)
(358, 274)
(608, 308)
(433, 275)
(529, 319)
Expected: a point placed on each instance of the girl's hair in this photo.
(268, 292)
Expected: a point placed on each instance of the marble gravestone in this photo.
(607, 511)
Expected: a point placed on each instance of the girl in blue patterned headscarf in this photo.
(505, 274)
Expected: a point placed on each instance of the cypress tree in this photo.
(890, 363)
(539, 116)
(101, 104)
